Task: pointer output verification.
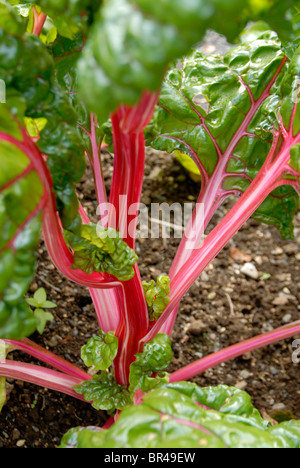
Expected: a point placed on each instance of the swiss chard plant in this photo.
(78, 75)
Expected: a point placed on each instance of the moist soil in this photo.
(223, 307)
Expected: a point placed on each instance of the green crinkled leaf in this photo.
(129, 49)
(104, 393)
(100, 351)
(146, 370)
(102, 250)
(208, 111)
(177, 416)
(157, 296)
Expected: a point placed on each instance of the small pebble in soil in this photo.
(197, 327)
(245, 374)
(250, 270)
(287, 318)
(280, 301)
(241, 385)
(21, 443)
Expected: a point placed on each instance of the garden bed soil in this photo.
(223, 307)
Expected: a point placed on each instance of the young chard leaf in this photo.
(102, 250)
(100, 351)
(157, 296)
(40, 297)
(146, 371)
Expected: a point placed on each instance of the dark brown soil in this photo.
(222, 308)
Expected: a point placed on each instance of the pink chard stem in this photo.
(36, 351)
(129, 162)
(38, 22)
(41, 376)
(215, 359)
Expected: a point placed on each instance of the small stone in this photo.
(8, 389)
(245, 374)
(155, 173)
(204, 277)
(247, 357)
(287, 318)
(241, 385)
(210, 49)
(239, 256)
(54, 341)
(290, 249)
(274, 371)
(197, 327)
(277, 251)
(280, 301)
(21, 443)
(249, 269)
(278, 407)
(33, 287)
(211, 295)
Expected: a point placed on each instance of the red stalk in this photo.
(129, 162)
(97, 168)
(107, 302)
(232, 352)
(38, 22)
(36, 351)
(41, 376)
